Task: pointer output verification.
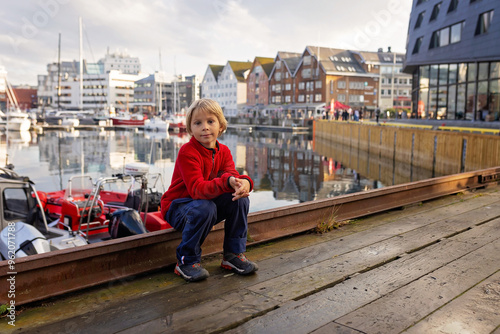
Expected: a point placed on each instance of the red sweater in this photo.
(201, 173)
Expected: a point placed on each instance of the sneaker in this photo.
(191, 272)
(238, 263)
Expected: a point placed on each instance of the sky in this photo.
(185, 36)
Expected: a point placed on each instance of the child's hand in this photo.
(241, 187)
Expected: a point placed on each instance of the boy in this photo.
(206, 189)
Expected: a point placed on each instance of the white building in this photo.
(394, 86)
(227, 86)
(209, 85)
(113, 90)
(120, 61)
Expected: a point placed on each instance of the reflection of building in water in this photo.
(69, 152)
(340, 180)
(283, 163)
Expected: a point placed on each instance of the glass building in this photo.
(453, 53)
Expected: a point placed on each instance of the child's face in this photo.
(205, 127)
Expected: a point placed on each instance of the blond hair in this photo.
(209, 106)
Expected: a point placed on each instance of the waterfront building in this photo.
(394, 86)
(101, 91)
(281, 79)
(120, 61)
(25, 96)
(155, 94)
(3, 89)
(227, 86)
(193, 88)
(209, 85)
(325, 75)
(258, 83)
(47, 91)
(454, 56)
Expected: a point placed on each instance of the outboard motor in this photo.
(124, 223)
(21, 239)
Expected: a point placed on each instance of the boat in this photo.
(18, 121)
(21, 216)
(156, 124)
(82, 192)
(177, 122)
(70, 121)
(128, 119)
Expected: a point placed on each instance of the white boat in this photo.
(70, 121)
(177, 122)
(18, 121)
(156, 124)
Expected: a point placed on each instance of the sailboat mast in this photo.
(80, 104)
(59, 74)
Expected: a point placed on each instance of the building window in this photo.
(341, 97)
(288, 86)
(341, 84)
(444, 36)
(435, 11)
(306, 72)
(302, 85)
(453, 6)
(484, 22)
(307, 60)
(456, 33)
(418, 43)
(288, 99)
(301, 98)
(317, 97)
(419, 20)
(356, 98)
(447, 35)
(318, 84)
(356, 85)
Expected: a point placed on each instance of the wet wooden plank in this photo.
(338, 267)
(210, 316)
(157, 306)
(312, 312)
(407, 305)
(334, 328)
(476, 311)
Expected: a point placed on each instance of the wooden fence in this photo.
(396, 155)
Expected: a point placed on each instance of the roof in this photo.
(336, 61)
(216, 69)
(239, 68)
(291, 60)
(266, 63)
(380, 58)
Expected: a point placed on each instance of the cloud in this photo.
(190, 34)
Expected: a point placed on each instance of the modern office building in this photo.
(453, 54)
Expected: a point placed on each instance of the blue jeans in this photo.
(195, 218)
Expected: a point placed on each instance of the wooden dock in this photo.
(432, 267)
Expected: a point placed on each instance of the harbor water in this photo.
(284, 166)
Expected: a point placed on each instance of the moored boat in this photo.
(177, 122)
(128, 119)
(18, 121)
(156, 124)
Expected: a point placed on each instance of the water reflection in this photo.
(284, 166)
